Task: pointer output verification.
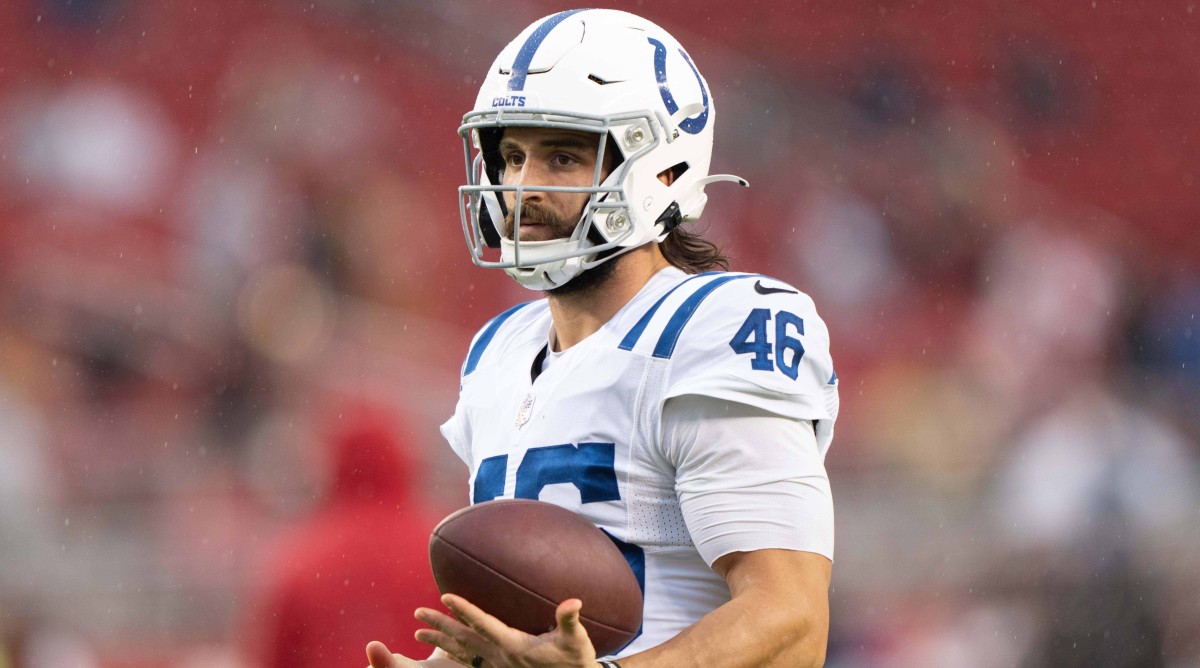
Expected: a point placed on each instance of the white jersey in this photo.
(587, 432)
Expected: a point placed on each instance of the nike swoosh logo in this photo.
(764, 290)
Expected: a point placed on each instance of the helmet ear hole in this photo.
(670, 174)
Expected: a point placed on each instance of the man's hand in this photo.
(472, 633)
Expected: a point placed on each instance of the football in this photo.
(518, 559)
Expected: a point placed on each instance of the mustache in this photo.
(535, 214)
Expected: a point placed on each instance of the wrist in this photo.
(608, 664)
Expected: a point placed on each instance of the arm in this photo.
(749, 483)
(778, 616)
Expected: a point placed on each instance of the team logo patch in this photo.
(524, 412)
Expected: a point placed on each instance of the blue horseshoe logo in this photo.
(694, 124)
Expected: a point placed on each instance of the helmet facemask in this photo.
(604, 228)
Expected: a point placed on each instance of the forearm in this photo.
(754, 630)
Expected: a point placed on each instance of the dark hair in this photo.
(692, 253)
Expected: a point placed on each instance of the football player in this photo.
(685, 411)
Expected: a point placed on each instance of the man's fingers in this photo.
(488, 627)
(448, 625)
(449, 634)
(443, 642)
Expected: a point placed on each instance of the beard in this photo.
(536, 214)
(586, 281)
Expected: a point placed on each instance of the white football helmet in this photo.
(602, 71)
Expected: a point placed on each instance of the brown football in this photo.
(518, 559)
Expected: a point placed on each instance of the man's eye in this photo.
(563, 160)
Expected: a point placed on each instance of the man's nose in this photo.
(533, 173)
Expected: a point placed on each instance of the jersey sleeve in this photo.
(747, 479)
(759, 342)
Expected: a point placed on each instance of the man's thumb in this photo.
(379, 655)
(568, 616)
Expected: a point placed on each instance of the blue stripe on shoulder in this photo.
(670, 336)
(486, 337)
(634, 334)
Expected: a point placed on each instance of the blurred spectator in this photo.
(1080, 498)
(97, 145)
(1096, 474)
(358, 568)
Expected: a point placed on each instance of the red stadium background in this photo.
(227, 227)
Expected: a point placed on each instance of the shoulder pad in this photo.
(742, 337)
(499, 330)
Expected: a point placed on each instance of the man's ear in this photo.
(668, 176)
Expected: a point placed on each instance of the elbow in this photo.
(804, 637)
(814, 656)
(810, 651)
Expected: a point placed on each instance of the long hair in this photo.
(692, 253)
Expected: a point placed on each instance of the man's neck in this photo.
(579, 315)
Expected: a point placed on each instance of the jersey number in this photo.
(590, 467)
(752, 339)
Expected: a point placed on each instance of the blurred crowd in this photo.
(233, 279)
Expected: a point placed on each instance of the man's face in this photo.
(547, 157)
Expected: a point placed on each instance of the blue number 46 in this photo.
(752, 339)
